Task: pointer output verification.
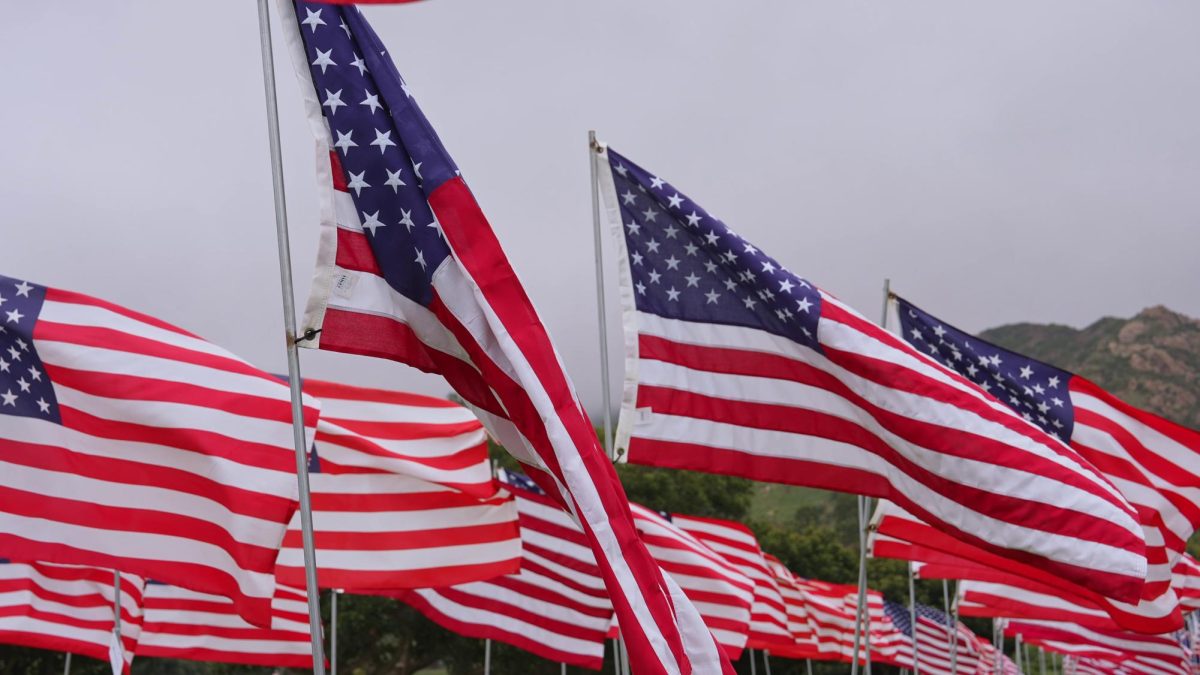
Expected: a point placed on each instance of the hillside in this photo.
(1151, 360)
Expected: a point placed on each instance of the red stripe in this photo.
(224, 655)
(375, 502)
(407, 540)
(460, 459)
(68, 297)
(330, 391)
(354, 253)
(368, 581)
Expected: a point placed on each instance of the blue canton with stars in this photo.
(901, 617)
(688, 265)
(520, 481)
(1035, 390)
(25, 388)
(391, 159)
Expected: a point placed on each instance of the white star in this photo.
(1042, 407)
(9, 398)
(656, 182)
(652, 246)
(406, 219)
(987, 386)
(803, 304)
(360, 64)
(371, 222)
(43, 405)
(21, 343)
(749, 249)
(35, 374)
(672, 263)
(343, 26)
(371, 101)
(435, 224)
(692, 279)
(750, 303)
(671, 231)
(23, 384)
(711, 237)
(2, 300)
(654, 277)
(637, 258)
(323, 60)
(420, 259)
(14, 354)
(1026, 371)
(730, 284)
(1053, 382)
(712, 297)
(344, 142)
(628, 197)
(984, 361)
(394, 181)
(1057, 402)
(641, 288)
(938, 330)
(917, 334)
(634, 228)
(333, 99)
(14, 316)
(313, 19)
(971, 370)
(710, 267)
(383, 139)
(650, 214)
(404, 88)
(23, 289)
(3, 366)
(786, 286)
(357, 183)
(691, 248)
(693, 219)
(768, 267)
(417, 170)
(675, 201)
(995, 359)
(672, 294)
(622, 170)
(1038, 389)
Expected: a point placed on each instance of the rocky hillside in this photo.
(1151, 360)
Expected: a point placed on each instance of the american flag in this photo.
(378, 521)
(737, 544)
(555, 607)
(929, 545)
(1153, 462)
(736, 365)
(1020, 598)
(409, 269)
(933, 641)
(68, 608)
(183, 624)
(804, 645)
(720, 591)
(1164, 653)
(1186, 582)
(128, 443)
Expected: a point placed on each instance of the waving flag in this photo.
(932, 636)
(1159, 652)
(736, 365)
(128, 443)
(804, 644)
(555, 606)
(378, 521)
(409, 269)
(68, 608)
(1154, 463)
(183, 624)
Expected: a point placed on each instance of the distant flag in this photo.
(128, 443)
(1026, 599)
(736, 365)
(555, 607)
(378, 520)
(932, 635)
(183, 624)
(68, 608)
(1164, 653)
(804, 643)
(409, 269)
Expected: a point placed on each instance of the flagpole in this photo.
(767, 660)
(601, 312)
(912, 616)
(953, 630)
(1041, 660)
(117, 615)
(1017, 650)
(333, 626)
(616, 657)
(67, 665)
(487, 656)
(753, 668)
(293, 352)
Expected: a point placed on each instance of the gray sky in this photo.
(1000, 162)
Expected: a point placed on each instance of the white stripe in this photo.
(401, 561)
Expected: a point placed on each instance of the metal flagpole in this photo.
(1041, 660)
(912, 617)
(117, 613)
(293, 352)
(1017, 653)
(487, 656)
(333, 596)
(808, 666)
(601, 312)
(753, 667)
(616, 657)
(767, 660)
(67, 665)
(563, 669)
(954, 631)
(998, 640)
(624, 657)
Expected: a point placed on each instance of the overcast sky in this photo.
(1000, 162)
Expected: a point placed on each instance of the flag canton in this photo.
(1034, 390)
(519, 481)
(25, 387)
(685, 264)
(937, 616)
(387, 156)
(899, 615)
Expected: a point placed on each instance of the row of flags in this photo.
(133, 445)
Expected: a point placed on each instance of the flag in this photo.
(1153, 462)
(933, 641)
(1022, 599)
(1160, 652)
(555, 607)
(409, 269)
(737, 544)
(128, 443)
(378, 520)
(68, 608)
(721, 593)
(183, 624)
(930, 545)
(804, 643)
(736, 365)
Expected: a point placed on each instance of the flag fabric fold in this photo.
(735, 365)
(409, 269)
(128, 443)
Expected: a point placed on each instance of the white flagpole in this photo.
(67, 665)
(601, 311)
(912, 616)
(117, 622)
(1017, 651)
(333, 626)
(767, 660)
(616, 657)
(1041, 660)
(808, 666)
(563, 669)
(487, 656)
(953, 630)
(293, 352)
(753, 668)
